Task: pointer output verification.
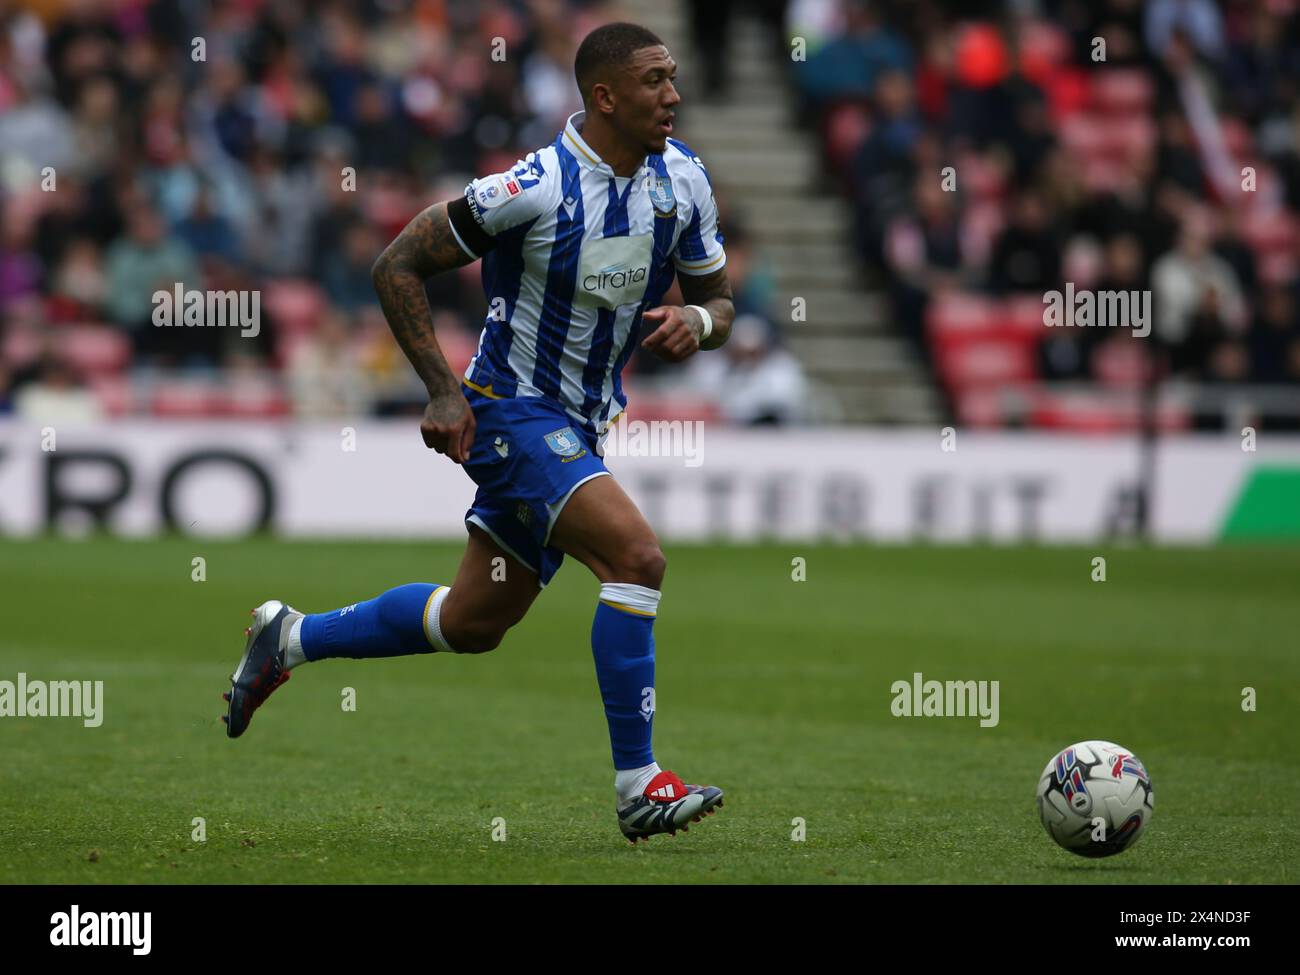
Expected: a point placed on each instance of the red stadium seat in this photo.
(296, 306)
(979, 408)
(1067, 93)
(1273, 236)
(980, 226)
(958, 311)
(1122, 91)
(982, 342)
(20, 345)
(1044, 48)
(254, 400)
(980, 361)
(1121, 363)
(1082, 410)
(844, 129)
(1024, 314)
(1083, 134)
(981, 178)
(95, 350)
(185, 398)
(650, 405)
(114, 394)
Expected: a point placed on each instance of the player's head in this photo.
(625, 76)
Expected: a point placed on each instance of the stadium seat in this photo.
(295, 305)
(95, 349)
(114, 393)
(1120, 363)
(1121, 91)
(185, 398)
(980, 342)
(1273, 236)
(20, 346)
(845, 128)
(1044, 48)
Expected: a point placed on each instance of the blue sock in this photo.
(623, 644)
(392, 625)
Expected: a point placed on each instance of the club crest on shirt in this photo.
(564, 442)
(662, 198)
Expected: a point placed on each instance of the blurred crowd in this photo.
(1116, 144)
(249, 145)
(990, 151)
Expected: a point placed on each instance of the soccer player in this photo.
(579, 242)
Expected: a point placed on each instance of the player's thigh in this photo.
(492, 591)
(603, 529)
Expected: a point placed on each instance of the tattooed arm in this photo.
(678, 334)
(427, 246)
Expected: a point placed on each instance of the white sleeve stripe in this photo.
(461, 242)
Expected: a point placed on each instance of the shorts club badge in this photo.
(564, 442)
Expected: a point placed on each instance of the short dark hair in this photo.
(608, 46)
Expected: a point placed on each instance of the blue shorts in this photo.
(527, 460)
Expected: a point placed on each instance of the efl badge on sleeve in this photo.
(495, 190)
(661, 197)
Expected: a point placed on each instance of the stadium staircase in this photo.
(864, 370)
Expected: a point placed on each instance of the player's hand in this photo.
(678, 334)
(448, 425)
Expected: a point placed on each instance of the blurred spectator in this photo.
(1230, 244)
(923, 250)
(325, 378)
(1065, 354)
(1198, 19)
(753, 286)
(1275, 337)
(882, 171)
(77, 210)
(1027, 254)
(35, 131)
(848, 65)
(20, 270)
(144, 261)
(52, 392)
(347, 270)
(383, 140)
(1181, 279)
(79, 286)
(1176, 158)
(312, 132)
(206, 232)
(1198, 353)
(757, 383)
(283, 205)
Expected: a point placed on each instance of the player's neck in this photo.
(625, 159)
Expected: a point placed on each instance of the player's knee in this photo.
(475, 638)
(643, 564)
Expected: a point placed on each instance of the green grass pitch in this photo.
(776, 690)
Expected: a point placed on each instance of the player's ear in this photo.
(602, 99)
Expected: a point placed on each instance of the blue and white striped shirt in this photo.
(580, 254)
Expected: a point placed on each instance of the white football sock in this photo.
(433, 620)
(293, 655)
(631, 782)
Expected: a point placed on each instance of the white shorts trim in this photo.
(555, 509)
(476, 520)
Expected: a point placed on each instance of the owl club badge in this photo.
(564, 442)
(662, 198)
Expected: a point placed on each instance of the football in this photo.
(1095, 798)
